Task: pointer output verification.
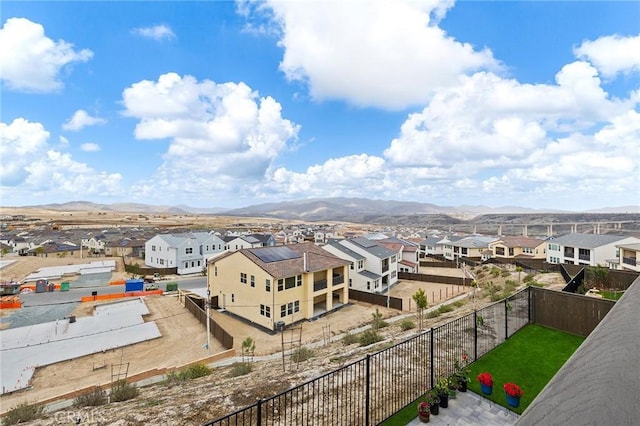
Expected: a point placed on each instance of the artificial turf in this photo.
(529, 358)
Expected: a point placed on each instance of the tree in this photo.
(248, 348)
(421, 304)
(519, 271)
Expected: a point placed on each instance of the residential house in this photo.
(629, 257)
(429, 247)
(53, 249)
(587, 249)
(278, 285)
(518, 247)
(122, 247)
(407, 253)
(96, 244)
(374, 268)
(188, 252)
(471, 247)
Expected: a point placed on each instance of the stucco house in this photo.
(471, 247)
(374, 268)
(408, 260)
(518, 247)
(278, 285)
(629, 257)
(587, 249)
(188, 252)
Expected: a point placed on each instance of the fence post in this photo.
(431, 345)
(259, 414)
(506, 319)
(529, 305)
(367, 391)
(475, 335)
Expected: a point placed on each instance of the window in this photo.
(161, 261)
(368, 285)
(153, 248)
(243, 278)
(215, 271)
(393, 259)
(350, 283)
(265, 311)
(267, 284)
(289, 282)
(189, 250)
(233, 298)
(298, 280)
(351, 266)
(253, 281)
(290, 308)
(283, 311)
(296, 306)
(198, 263)
(360, 264)
(280, 284)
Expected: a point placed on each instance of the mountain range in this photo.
(359, 210)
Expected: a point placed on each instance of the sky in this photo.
(221, 104)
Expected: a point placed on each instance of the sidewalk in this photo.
(469, 408)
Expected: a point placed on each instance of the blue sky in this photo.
(229, 104)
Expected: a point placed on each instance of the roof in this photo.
(317, 259)
(354, 255)
(370, 275)
(635, 247)
(408, 263)
(519, 241)
(372, 247)
(588, 241)
(473, 242)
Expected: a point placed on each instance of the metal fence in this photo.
(372, 389)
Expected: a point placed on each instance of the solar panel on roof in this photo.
(365, 242)
(276, 254)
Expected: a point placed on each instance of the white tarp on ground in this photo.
(55, 272)
(26, 348)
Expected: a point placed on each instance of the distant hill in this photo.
(359, 210)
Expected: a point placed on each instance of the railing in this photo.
(584, 257)
(569, 253)
(319, 285)
(630, 261)
(372, 389)
(385, 268)
(338, 279)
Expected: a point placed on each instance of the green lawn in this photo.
(611, 295)
(529, 358)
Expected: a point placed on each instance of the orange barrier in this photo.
(120, 295)
(118, 282)
(33, 287)
(10, 302)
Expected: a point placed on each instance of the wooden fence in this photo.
(218, 332)
(440, 279)
(375, 299)
(572, 313)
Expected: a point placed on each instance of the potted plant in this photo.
(432, 399)
(513, 393)
(486, 383)
(462, 373)
(453, 385)
(442, 390)
(424, 411)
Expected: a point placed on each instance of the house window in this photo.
(283, 311)
(296, 306)
(393, 259)
(351, 266)
(289, 282)
(290, 308)
(161, 261)
(253, 281)
(189, 250)
(198, 263)
(368, 285)
(153, 248)
(299, 280)
(267, 284)
(265, 311)
(350, 283)
(360, 264)
(233, 298)
(243, 278)
(280, 284)
(215, 271)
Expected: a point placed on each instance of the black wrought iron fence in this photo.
(372, 389)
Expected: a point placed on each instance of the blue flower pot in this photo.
(512, 401)
(486, 389)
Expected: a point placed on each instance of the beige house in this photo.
(279, 285)
(516, 247)
(629, 257)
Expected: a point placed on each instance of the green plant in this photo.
(240, 369)
(480, 320)
(369, 337)
(505, 273)
(485, 379)
(459, 303)
(123, 391)
(302, 354)
(349, 339)
(495, 271)
(22, 413)
(421, 304)
(461, 369)
(248, 348)
(528, 278)
(91, 399)
(445, 308)
(407, 324)
(493, 291)
(513, 390)
(442, 386)
(378, 321)
(194, 371)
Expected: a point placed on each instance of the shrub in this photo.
(240, 369)
(378, 321)
(407, 324)
(505, 273)
(493, 291)
(495, 271)
(23, 413)
(459, 303)
(349, 339)
(443, 309)
(91, 399)
(194, 371)
(537, 284)
(369, 337)
(528, 278)
(123, 391)
(510, 285)
(479, 275)
(301, 354)
(433, 314)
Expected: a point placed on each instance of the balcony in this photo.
(584, 257)
(319, 285)
(338, 279)
(630, 261)
(385, 268)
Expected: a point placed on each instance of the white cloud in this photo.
(81, 119)
(33, 171)
(389, 54)
(63, 141)
(156, 32)
(90, 147)
(220, 134)
(30, 60)
(612, 54)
